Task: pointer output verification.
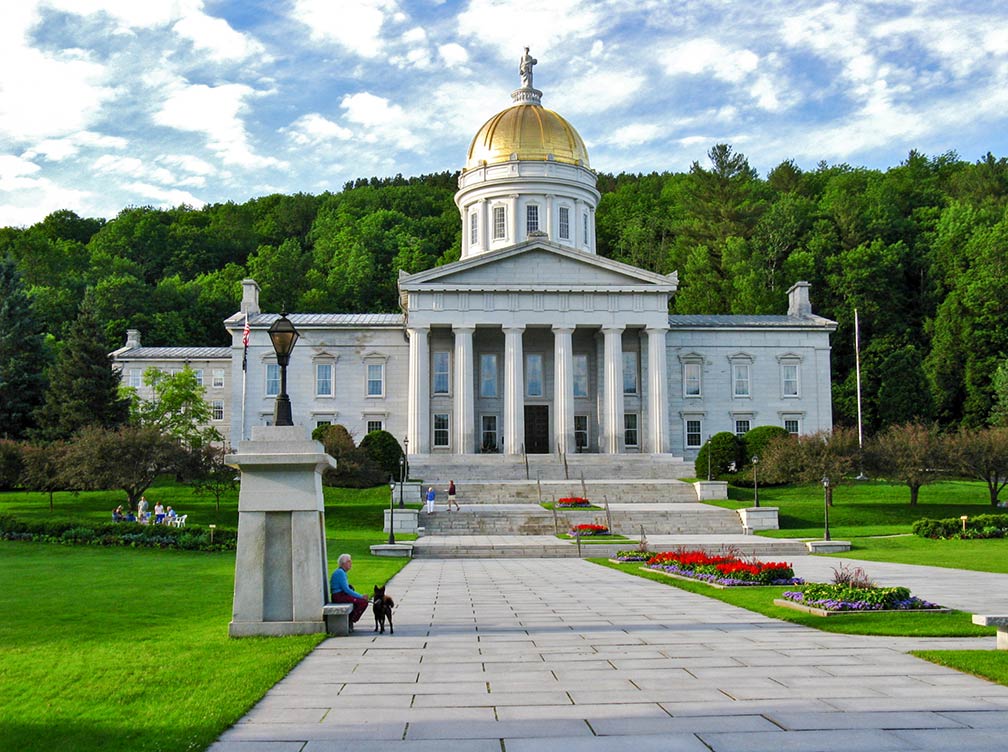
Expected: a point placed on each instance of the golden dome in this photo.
(530, 132)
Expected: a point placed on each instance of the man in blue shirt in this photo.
(343, 592)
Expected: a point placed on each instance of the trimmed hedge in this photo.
(131, 534)
(978, 527)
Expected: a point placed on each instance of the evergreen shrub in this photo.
(757, 439)
(725, 451)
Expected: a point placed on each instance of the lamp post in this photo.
(755, 485)
(284, 336)
(402, 477)
(405, 443)
(825, 485)
(391, 506)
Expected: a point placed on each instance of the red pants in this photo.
(359, 605)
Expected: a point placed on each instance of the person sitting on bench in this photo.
(343, 592)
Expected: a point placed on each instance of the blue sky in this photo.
(113, 103)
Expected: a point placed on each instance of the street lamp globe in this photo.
(284, 336)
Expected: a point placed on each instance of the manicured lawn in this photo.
(988, 664)
(760, 600)
(976, 555)
(109, 648)
(862, 508)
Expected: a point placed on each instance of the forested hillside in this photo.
(919, 249)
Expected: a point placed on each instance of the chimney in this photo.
(250, 297)
(132, 339)
(798, 300)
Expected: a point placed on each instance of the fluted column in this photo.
(657, 390)
(484, 232)
(513, 207)
(563, 388)
(464, 417)
(514, 390)
(418, 417)
(612, 395)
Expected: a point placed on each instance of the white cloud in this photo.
(510, 25)
(313, 128)
(167, 197)
(214, 111)
(592, 92)
(353, 24)
(26, 196)
(635, 134)
(188, 163)
(453, 54)
(382, 120)
(59, 149)
(217, 38)
(699, 56)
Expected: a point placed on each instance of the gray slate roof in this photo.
(326, 319)
(733, 321)
(176, 353)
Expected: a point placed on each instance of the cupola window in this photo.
(564, 223)
(498, 223)
(531, 219)
(473, 229)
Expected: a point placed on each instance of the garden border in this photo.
(823, 612)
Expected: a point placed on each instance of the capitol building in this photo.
(530, 343)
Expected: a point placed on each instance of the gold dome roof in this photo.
(529, 131)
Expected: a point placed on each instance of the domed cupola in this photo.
(526, 176)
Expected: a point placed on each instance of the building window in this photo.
(789, 379)
(740, 379)
(320, 423)
(440, 429)
(585, 218)
(135, 378)
(272, 379)
(473, 229)
(374, 425)
(498, 222)
(198, 373)
(488, 375)
(218, 378)
(630, 429)
(375, 379)
(580, 376)
(741, 427)
(441, 371)
(534, 375)
(629, 373)
(488, 439)
(694, 433)
(531, 218)
(217, 410)
(564, 223)
(581, 432)
(692, 379)
(792, 426)
(323, 380)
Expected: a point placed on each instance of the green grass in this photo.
(987, 664)
(760, 600)
(108, 648)
(975, 555)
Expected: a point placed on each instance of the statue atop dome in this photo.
(525, 69)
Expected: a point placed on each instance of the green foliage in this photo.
(354, 467)
(83, 386)
(832, 594)
(22, 358)
(176, 407)
(999, 385)
(756, 439)
(980, 526)
(11, 463)
(384, 451)
(724, 451)
(130, 534)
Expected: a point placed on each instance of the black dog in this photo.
(382, 608)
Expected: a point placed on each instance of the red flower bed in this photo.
(573, 501)
(588, 529)
(725, 570)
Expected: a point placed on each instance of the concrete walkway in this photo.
(522, 655)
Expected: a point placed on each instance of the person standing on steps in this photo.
(431, 496)
(451, 497)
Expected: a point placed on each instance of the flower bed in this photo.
(836, 598)
(723, 570)
(587, 529)
(569, 502)
(624, 557)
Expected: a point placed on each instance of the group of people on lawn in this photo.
(160, 514)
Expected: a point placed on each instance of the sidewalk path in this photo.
(561, 655)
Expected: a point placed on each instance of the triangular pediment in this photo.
(537, 264)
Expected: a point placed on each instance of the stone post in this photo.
(281, 566)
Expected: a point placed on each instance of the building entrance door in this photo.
(537, 439)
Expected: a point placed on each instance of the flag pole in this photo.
(857, 369)
(245, 341)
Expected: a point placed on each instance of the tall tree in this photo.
(982, 454)
(83, 386)
(912, 453)
(22, 356)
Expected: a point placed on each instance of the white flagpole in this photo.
(857, 368)
(245, 337)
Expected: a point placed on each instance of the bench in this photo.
(1001, 622)
(337, 618)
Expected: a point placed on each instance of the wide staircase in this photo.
(501, 498)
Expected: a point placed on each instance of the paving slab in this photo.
(523, 655)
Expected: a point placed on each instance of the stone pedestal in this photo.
(405, 520)
(281, 569)
(711, 490)
(759, 518)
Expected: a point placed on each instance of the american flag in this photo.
(245, 339)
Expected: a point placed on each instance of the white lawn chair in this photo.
(180, 521)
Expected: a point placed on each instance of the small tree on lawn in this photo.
(176, 407)
(43, 465)
(981, 454)
(811, 457)
(720, 454)
(382, 448)
(212, 475)
(912, 453)
(129, 458)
